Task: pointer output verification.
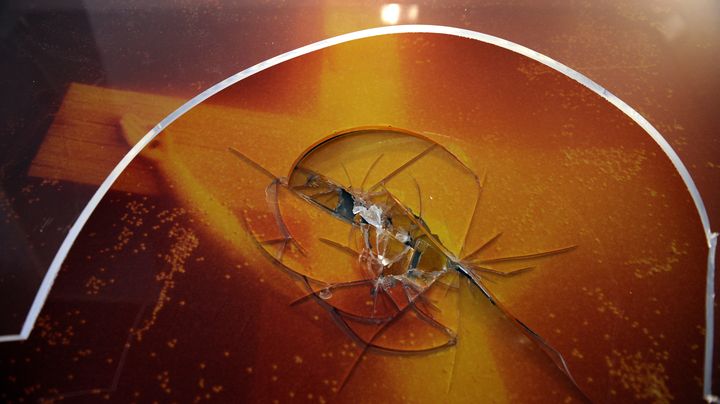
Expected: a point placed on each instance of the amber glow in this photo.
(553, 158)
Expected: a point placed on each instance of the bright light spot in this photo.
(412, 12)
(390, 13)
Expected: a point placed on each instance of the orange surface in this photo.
(166, 298)
(563, 167)
(210, 316)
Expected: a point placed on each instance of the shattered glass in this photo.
(369, 221)
(407, 217)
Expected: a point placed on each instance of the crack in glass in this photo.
(369, 221)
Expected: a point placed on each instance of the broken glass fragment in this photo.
(379, 200)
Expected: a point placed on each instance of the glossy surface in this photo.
(320, 95)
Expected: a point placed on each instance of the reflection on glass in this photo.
(393, 13)
(390, 13)
(379, 263)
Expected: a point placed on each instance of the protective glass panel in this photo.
(417, 217)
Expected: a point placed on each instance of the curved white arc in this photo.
(710, 323)
(74, 231)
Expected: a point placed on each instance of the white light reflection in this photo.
(392, 13)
